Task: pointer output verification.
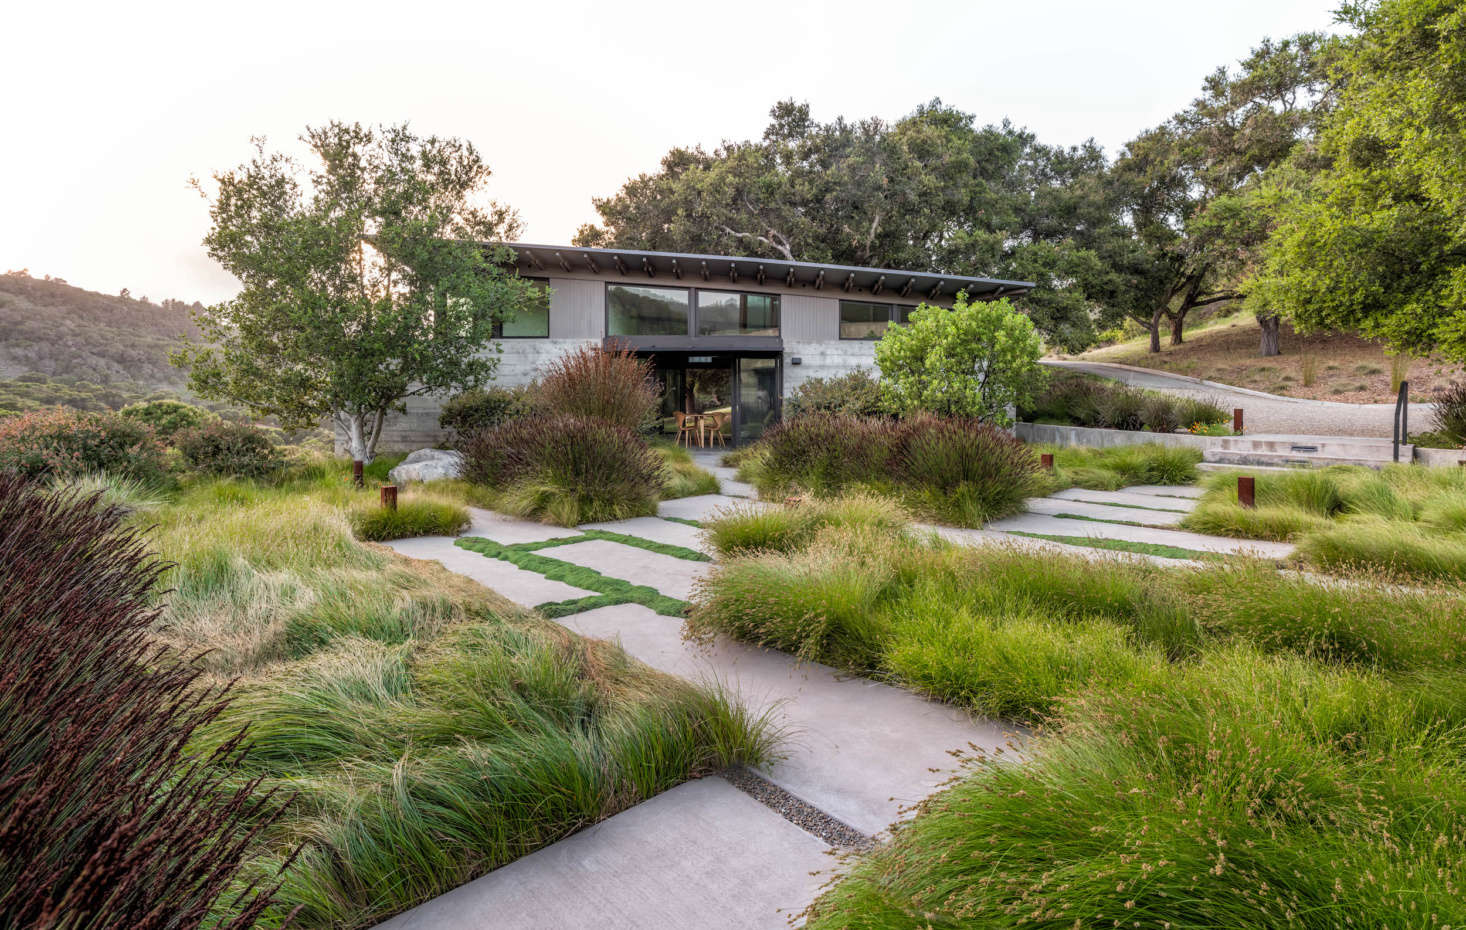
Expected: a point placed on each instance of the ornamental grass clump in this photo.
(566, 469)
(107, 817)
(414, 515)
(612, 385)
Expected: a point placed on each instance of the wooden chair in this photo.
(715, 428)
(687, 425)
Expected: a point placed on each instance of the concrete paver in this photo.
(511, 530)
(1046, 505)
(1055, 526)
(1126, 497)
(519, 585)
(654, 528)
(1166, 490)
(700, 507)
(667, 574)
(860, 750)
(970, 537)
(648, 867)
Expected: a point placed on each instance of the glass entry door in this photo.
(755, 397)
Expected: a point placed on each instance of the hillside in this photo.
(64, 344)
(1320, 366)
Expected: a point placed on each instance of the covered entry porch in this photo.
(737, 391)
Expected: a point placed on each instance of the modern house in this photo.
(723, 332)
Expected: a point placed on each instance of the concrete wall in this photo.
(1107, 438)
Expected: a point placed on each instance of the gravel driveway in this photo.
(1266, 413)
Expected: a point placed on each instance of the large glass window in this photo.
(860, 319)
(532, 322)
(723, 313)
(646, 311)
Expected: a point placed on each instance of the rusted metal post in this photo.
(1237, 420)
(1247, 491)
(1046, 460)
(356, 473)
(389, 496)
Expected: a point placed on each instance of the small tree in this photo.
(366, 280)
(977, 359)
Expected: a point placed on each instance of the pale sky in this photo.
(109, 108)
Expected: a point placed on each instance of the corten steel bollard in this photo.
(1046, 461)
(1237, 420)
(356, 473)
(389, 496)
(1246, 491)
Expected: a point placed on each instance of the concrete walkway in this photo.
(1265, 413)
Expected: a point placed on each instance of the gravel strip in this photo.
(807, 817)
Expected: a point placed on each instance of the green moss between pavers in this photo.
(678, 552)
(1080, 516)
(1135, 506)
(682, 520)
(608, 590)
(1121, 545)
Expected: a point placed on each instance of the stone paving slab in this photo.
(668, 574)
(511, 530)
(703, 854)
(519, 585)
(1055, 526)
(1052, 507)
(970, 537)
(1126, 498)
(701, 507)
(859, 750)
(654, 528)
(1166, 490)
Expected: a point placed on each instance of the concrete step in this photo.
(1268, 449)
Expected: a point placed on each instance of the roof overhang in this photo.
(692, 269)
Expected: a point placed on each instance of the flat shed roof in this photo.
(531, 258)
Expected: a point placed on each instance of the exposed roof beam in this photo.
(733, 272)
(789, 278)
(704, 270)
(998, 291)
(876, 288)
(819, 279)
(760, 275)
(646, 265)
(563, 263)
(850, 281)
(676, 270)
(594, 269)
(936, 289)
(906, 288)
(620, 265)
(533, 262)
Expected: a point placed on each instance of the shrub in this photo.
(229, 450)
(976, 359)
(1118, 466)
(605, 384)
(566, 469)
(414, 516)
(962, 471)
(166, 417)
(1162, 415)
(1450, 412)
(854, 394)
(1083, 400)
(466, 413)
(105, 818)
(63, 442)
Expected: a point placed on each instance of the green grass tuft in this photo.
(414, 516)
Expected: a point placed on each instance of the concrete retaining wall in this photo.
(1107, 438)
(1440, 458)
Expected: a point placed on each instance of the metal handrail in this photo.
(1402, 417)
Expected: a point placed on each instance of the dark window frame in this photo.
(893, 316)
(696, 322)
(692, 311)
(549, 293)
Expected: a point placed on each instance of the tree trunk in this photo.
(1155, 330)
(1178, 323)
(1268, 323)
(362, 434)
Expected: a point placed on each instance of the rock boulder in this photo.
(427, 465)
